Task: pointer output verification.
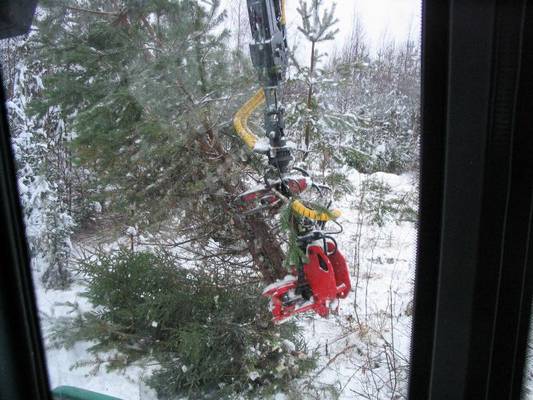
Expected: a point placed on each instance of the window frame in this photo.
(473, 286)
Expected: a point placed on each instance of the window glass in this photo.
(185, 238)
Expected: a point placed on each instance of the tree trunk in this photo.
(264, 247)
(262, 244)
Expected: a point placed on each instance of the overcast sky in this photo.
(394, 18)
(382, 19)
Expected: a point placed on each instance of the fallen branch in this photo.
(332, 360)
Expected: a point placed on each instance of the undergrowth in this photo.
(209, 334)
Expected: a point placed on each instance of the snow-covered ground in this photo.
(363, 351)
(527, 393)
(66, 367)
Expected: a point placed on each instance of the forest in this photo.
(148, 279)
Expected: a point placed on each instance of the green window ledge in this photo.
(73, 393)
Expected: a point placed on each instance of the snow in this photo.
(254, 375)
(131, 231)
(97, 207)
(124, 385)
(527, 393)
(289, 346)
(262, 145)
(287, 279)
(61, 362)
(366, 341)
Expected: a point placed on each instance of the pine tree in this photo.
(48, 223)
(312, 116)
(316, 28)
(378, 99)
(149, 88)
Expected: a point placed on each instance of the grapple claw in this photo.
(264, 198)
(327, 277)
(340, 267)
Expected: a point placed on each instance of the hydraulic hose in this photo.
(299, 208)
(240, 121)
(283, 18)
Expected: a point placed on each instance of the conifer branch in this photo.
(96, 12)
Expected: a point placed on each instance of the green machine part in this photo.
(74, 393)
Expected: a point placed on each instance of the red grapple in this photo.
(342, 275)
(327, 276)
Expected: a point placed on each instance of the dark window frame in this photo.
(473, 286)
(474, 278)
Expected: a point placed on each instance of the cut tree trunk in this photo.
(263, 244)
(264, 248)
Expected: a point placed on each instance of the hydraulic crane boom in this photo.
(316, 283)
(269, 56)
